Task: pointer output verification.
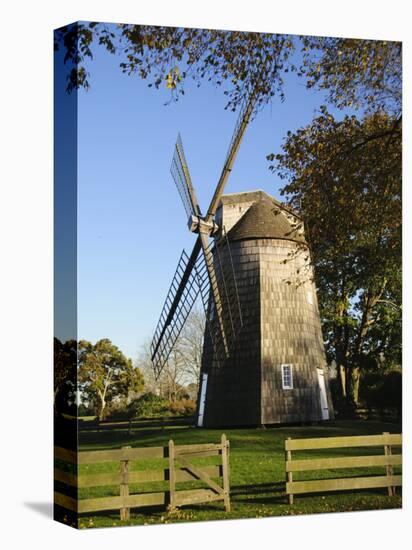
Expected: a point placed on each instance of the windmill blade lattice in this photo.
(180, 173)
(245, 114)
(175, 311)
(228, 291)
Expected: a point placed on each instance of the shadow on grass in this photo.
(271, 438)
(111, 438)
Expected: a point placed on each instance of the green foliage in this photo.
(64, 375)
(148, 405)
(356, 73)
(167, 56)
(82, 410)
(105, 373)
(392, 388)
(344, 178)
(382, 390)
(339, 404)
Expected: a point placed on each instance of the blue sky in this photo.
(131, 223)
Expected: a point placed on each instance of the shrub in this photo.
(148, 405)
(343, 408)
(183, 407)
(119, 412)
(82, 410)
(370, 390)
(382, 390)
(392, 390)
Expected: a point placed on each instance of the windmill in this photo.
(263, 359)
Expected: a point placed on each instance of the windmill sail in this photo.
(181, 175)
(179, 301)
(190, 279)
(237, 136)
(223, 342)
(210, 275)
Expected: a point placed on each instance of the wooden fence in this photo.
(180, 469)
(136, 423)
(386, 460)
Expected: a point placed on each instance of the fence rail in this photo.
(387, 460)
(135, 423)
(180, 469)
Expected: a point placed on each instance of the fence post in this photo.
(389, 467)
(289, 475)
(172, 475)
(226, 473)
(124, 485)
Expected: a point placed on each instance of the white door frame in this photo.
(323, 397)
(202, 400)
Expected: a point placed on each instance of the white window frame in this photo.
(283, 368)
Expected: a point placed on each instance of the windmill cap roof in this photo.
(265, 220)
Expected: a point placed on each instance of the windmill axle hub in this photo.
(199, 225)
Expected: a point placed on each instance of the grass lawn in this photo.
(257, 475)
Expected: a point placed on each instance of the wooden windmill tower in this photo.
(263, 358)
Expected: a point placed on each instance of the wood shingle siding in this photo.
(280, 324)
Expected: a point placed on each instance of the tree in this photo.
(356, 73)
(105, 374)
(383, 390)
(168, 56)
(64, 375)
(344, 178)
(190, 346)
(183, 366)
(171, 381)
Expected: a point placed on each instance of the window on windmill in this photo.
(287, 379)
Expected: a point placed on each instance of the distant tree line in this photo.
(98, 379)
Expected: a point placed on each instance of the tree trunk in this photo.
(102, 407)
(342, 380)
(354, 385)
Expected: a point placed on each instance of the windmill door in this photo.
(202, 400)
(323, 397)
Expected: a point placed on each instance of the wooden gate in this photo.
(181, 469)
(180, 459)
